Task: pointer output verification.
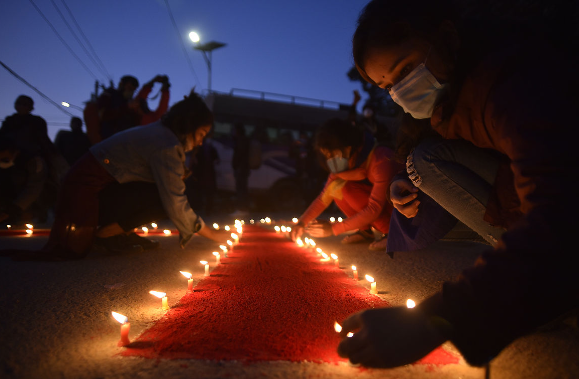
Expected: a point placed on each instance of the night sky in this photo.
(298, 47)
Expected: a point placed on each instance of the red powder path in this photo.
(269, 300)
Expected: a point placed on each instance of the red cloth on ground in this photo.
(269, 300)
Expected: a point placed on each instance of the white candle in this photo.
(167, 232)
(29, 232)
(163, 297)
(230, 244)
(217, 257)
(325, 257)
(145, 230)
(125, 328)
(188, 275)
(335, 258)
(154, 225)
(355, 272)
(206, 267)
(373, 289)
(235, 238)
(299, 242)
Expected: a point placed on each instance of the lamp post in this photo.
(68, 105)
(207, 50)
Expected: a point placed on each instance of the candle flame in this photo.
(154, 225)
(332, 219)
(299, 242)
(283, 229)
(324, 255)
(215, 226)
(229, 242)
(262, 220)
(120, 318)
(237, 222)
(340, 219)
(251, 221)
(239, 229)
(369, 278)
(203, 262)
(319, 250)
(410, 303)
(216, 254)
(288, 229)
(188, 275)
(307, 241)
(295, 220)
(160, 295)
(227, 228)
(30, 226)
(353, 268)
(337, 327)
(334, 256)
(167, 232)
(234, 236)
(145, 229)
(312, 242)
(277, 228)
(268, 220)
(8, 226)
(29, 232)
(223, 248)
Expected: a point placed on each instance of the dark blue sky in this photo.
(298, 47)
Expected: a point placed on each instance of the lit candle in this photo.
(125, 327)
(163, 297)
(299, 242)
(268, 220)
(239, 230)
(224, 249)
(167, 232)
(30, 226)
(206, 267)
(325, 257)
(154, 225)
(277, 228)
(319, 250)
(307, 241)
(283, 229)
(335, 258)
(235, 238)
(262, 221)
(312, 243)
(145, 230)
(288, 229)
(339, 219)
(295, 220)
(230, 244)
(8, 226)
(355, 272)
(217, 257)
(251, 221)
(29, 232)
(410, 303)
(372, 284)
(332, 219)
(227, 228)
(338, 329)
(188, 275)
(216, 226)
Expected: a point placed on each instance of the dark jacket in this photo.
(520, 102)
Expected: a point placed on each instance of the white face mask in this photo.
(6, 164)
(417, 92)
(338, 164)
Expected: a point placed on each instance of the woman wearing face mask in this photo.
(138, 173)
(497, 161)
(360, 172)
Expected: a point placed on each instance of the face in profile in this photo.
(196, 139)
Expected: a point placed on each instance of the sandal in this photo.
(359, 236)
(380, 244)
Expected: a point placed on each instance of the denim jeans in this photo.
(459, 176)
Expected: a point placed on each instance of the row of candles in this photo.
(124, 320)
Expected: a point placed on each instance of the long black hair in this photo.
(188, 115)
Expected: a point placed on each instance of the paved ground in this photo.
(55, 317)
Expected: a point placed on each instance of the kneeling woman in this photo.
(360, 174)
(142, 160)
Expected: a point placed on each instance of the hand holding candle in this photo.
(206, 267)
(373, 289)
(188, 275)
(163, 297)
(125, 328)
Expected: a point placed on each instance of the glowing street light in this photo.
(194, 37)
(207, 50)
(69, 105)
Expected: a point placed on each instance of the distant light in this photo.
(194, 37)
(65, 104)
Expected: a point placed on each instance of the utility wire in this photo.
(63, 41)
(182, 44)
(76, 37)
(35, 89)
(86, 40)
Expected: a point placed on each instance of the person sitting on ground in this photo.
(139, 171)
(504, 160)
(72, 144)
(26, 189)
(360, 172)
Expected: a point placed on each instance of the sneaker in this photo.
(359, 237)
(146, 243)
(119, 244)
(380, 244)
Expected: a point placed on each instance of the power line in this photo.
(182, 44)
(86, 39)
(63, 41)
(35, 89)
(76, 37)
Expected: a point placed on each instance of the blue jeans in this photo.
(459, 176)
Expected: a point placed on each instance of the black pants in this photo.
(130, 205)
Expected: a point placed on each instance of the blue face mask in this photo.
(417, 92)
(337, 164)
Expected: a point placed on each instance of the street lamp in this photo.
(206, 49)
(68, 105)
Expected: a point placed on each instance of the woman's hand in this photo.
(403, 195)
(297, 231)
(388, 337)
(319, 229)
(215, 235)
